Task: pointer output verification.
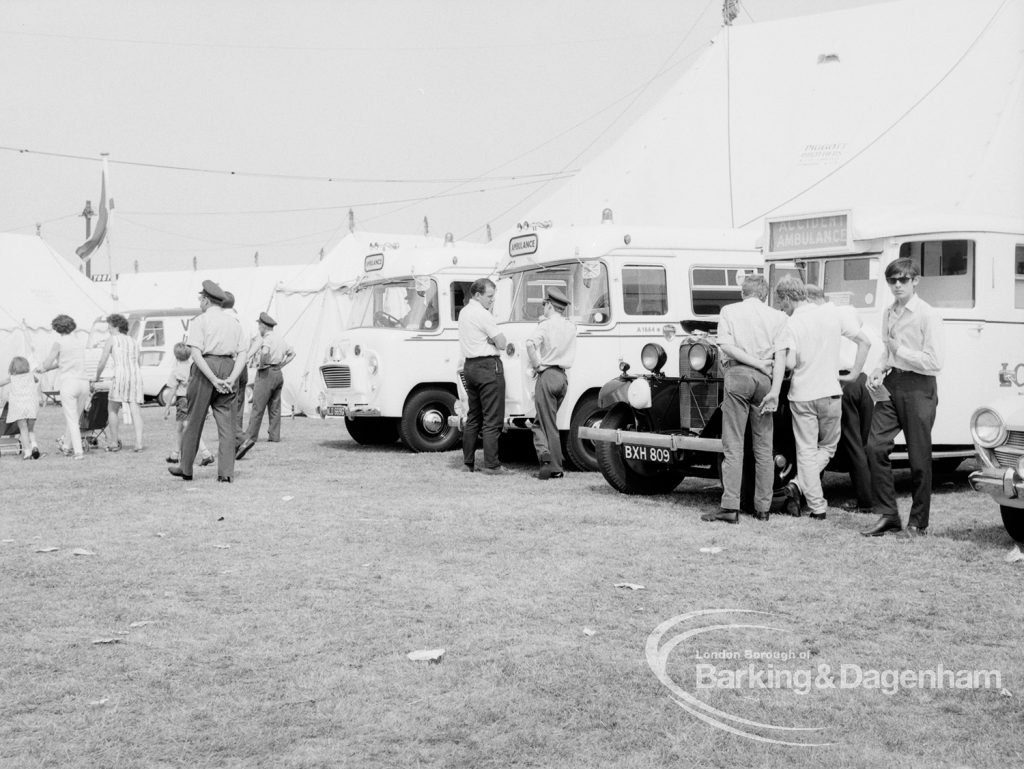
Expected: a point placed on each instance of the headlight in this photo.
(639, 394)
(701, 357)
(653, 356)
(372, 364)
(988, 428)
(1020, 467)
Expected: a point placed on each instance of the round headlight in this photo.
(653, 356)
(988, 428)
(701, 357)
(639, 394)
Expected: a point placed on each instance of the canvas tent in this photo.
(312, 309)
(908, 104)
(36, 285)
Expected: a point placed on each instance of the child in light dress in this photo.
(178, 382)
(23, 404)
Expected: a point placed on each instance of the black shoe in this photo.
(175, 470)
(818, 516)
(729, 516)
(35, 452)
(247, 444)
(762, 516)
(468, 469)
(882, 525)
(224, 479)
(916, 531)
(547, 471)
(498, 470)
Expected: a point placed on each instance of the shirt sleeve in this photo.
(197, 333)
(489, 324)
(849, 322)
(930, 357)
(725, 332)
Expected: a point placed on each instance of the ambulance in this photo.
(627, 286)
(392, 375)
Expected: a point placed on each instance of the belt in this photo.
(211, 355)
(895, 370)
(556, 368)
(482, 357)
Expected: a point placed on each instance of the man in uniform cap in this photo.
(218, 354)
(273, 354)
(552, 351)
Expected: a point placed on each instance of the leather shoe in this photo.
(817, 516)
(468, 469)
(499, 470)
(916, 531)
(762, 516)
(207, 461)
(547, 471)
(243, 449)
(729, 516)
(175, 470)
(224, 479)
(882, 525)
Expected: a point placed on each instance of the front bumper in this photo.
(1002, 483)
(659, 440)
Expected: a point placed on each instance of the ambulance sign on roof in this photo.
(522, 245)
(373, 262)
(820, 234)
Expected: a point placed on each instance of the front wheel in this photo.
(372, 431)
(582, 453)
(628, 476)
(424, 425)
(1013, 522)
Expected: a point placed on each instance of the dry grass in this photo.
(288, 647)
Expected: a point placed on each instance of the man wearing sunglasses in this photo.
(903, 387)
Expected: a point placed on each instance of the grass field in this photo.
(267, 623)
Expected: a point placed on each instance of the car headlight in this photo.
(639, 394)
(987, 428)
(372, 364)
(701, 357)
(653, 356)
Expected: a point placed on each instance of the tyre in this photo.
(628, 476)
(1013, 522)
(164, 396)
(424, 425)
(372, 431)
(583, 454)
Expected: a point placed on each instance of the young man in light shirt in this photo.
(815, 390)
(906, 398)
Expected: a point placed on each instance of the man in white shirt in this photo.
(815, 391)
(480, 343)
(552, 351)
(753, 339)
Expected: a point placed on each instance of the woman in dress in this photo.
(127, 384)
(68, 354)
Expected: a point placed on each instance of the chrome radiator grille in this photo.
(699, 395)
(1010, 452)
(336, 377)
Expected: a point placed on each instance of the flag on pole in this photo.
(85, 250)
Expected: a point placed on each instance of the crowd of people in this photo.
(209, 374)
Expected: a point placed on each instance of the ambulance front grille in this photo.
(336, 377)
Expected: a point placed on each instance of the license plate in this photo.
(336, 411)
(654, 454)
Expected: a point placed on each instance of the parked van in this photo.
(627, 286)
(392, 375)
(156, 332)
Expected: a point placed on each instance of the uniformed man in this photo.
(273, 354)
(480, 343)
(243, 378)
(552, 351)
(218, 355)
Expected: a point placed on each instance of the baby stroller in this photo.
(93, 422)
(10, 436)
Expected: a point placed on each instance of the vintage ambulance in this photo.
(972, 273)
(392, 375)
(627, 285)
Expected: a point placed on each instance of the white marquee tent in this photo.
(914, 104)
(36, 285)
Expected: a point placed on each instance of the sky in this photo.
(244, 127)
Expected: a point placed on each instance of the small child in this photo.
(23, 404)
(178, 382)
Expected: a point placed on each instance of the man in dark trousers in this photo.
(480, 343)
(273, 354)
(243, 378)
(552, 351)
(903, 387)
(218, 355)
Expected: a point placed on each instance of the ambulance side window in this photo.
(153, 334)
(947, 270)
(460, 296)
(644, 290)
(1018, 278)
(712, 288)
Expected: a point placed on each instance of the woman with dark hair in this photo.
(127, 384)
(68, 354)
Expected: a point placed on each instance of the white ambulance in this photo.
(972, 273)
(628, 286)
(392, 374)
